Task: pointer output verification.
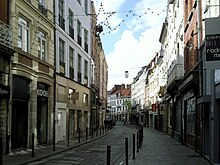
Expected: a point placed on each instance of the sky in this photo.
(130, 37)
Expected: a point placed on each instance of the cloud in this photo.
(138, 39)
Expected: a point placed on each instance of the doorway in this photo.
(19, 131)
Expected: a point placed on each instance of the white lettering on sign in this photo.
(212, 37)
(3, 92)
(41, 92)
(216, 50)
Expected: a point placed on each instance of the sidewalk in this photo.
(42, 151)
(158, 148)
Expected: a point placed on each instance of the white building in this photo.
(138, 95)
(119, 99)
(73, 66)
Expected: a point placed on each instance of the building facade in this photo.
(32, 69)
(6, 54)
(73, 67)
(119, 102)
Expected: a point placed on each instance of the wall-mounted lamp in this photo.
(190, 47)
(208, 6)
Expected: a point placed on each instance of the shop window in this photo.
(23, 34)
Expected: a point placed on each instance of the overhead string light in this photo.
(129, 13)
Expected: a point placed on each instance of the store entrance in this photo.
(19, 124)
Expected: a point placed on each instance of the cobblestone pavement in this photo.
(160, 149)
(95, 153)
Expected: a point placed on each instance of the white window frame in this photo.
(23, 34)
(42, 53)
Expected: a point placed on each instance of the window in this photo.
(86, 40)
(79, 38)
(86, 6)
(61, 56)
(85, 73)
(41, 7)
(71, 25)
(42, 45)
(23, 34)
(85, 98)
(61, 14)
(79, 68)
(71, 63)
(86, 69)
(191, 116)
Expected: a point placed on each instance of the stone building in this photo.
(32, 69)
(6, 54)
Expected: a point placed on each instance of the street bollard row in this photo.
(138, 144)
(92, 130)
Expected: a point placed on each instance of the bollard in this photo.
(108, 155)
(126, 151)
(32, 145)
(97, 131)
(86, 133)
(79, 135)
(137, 141)
(100, 131)
(133, 146)
(103, 130)
(92, 132)
(1, 151)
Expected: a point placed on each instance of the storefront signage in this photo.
(213, 47)
(4, 91)
(42, 93)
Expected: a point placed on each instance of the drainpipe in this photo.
(201, 87)
(54, 75)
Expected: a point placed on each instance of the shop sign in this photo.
(213, 47)
(4, 91)
(42, 93)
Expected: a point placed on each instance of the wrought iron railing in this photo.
(6, 35)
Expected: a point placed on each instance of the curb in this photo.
(63, 150)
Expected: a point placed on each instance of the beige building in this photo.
(99, 87)
(32, 100)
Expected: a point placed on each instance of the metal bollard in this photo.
(92, 132)
(79, 135)
(100, 131)
(133, 146)
(108, 155)
(126, 151)
(137, 141)
(97, 131)
(32, 143)
(1, 151)
(86, 133)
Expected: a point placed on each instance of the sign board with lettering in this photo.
(211, 53)
(213, 47)
(4, 91)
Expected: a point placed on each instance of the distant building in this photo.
(119, 102)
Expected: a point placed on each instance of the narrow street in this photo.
(95, 153)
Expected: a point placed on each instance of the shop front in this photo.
(42, 113)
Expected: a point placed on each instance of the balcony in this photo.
(61, 22)
(42, 9)
(176, 73)
(5, 35)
